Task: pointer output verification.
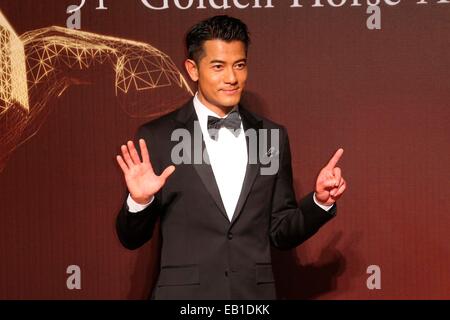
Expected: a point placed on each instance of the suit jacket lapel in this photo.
(249, 122)
(187, 117)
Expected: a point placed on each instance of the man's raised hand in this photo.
(330, 184)
(141, 180)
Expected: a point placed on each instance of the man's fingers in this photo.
(167, 172)
(144, 151)
(334, 160)
(340, 190)
(329, 183)
(126, 156)
(133, 152)
(122, 164)
(337, 175)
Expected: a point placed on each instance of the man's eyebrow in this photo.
(217, 61)
(220, 61)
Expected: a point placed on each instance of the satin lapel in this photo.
(188, 119)
(249, 123)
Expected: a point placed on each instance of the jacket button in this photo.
(230, 235)
(226, 273)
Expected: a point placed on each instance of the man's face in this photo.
(221, 74)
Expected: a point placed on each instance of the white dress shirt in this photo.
(228, 158)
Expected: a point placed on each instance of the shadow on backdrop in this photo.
(310, 281)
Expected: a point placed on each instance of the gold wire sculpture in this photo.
(42, 64)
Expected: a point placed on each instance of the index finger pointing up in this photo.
(334, 160)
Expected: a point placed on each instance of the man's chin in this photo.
(230, 103)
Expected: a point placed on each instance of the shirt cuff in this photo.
(134, 207)
(324, 207)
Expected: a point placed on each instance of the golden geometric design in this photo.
(137, 65)
(13, 77)
(42, 64)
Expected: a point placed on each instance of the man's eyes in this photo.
(238, 66)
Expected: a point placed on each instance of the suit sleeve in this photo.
(293, 223)
(134, 229)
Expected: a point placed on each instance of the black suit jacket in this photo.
(203, 254)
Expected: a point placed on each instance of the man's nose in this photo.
(230, 76)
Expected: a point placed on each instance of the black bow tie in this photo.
(232, 122)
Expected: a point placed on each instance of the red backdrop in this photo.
(383, 95)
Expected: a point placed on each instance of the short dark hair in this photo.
(220, 27)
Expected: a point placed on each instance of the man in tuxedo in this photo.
(218, 216)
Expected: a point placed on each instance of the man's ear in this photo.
(192, 69)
